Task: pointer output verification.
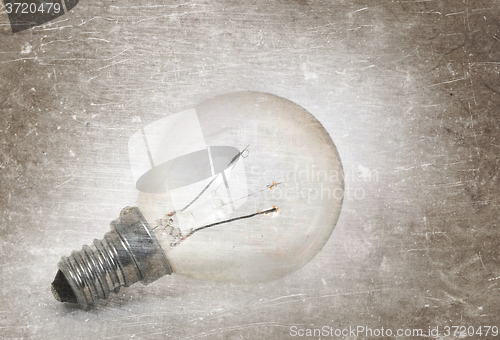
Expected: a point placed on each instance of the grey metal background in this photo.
(409, 91)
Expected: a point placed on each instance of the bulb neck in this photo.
(127, 254)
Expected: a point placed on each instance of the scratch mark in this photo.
(330, 295)
(275, 184)
(174, 16)
(359, 27)
(400, 168)
(156, 6)
(456, 48)
(57, 28)
(489, 87)
(70, 59)
(109, 19)
(452, 184)
(481, 259)
(65, 182)
(472, 127)
(281, 297)
(364, 68)
(428, 297)
(65, 10)
(11, 61)
(442, 232)
(359, 10)
(98, 39)
(448, 82)
(467, 15)
(53, 41)
(104, 104)
(455, 13)
(125, 50)
(454, 298)
(112, 64)
(90, 79)
(353, 293)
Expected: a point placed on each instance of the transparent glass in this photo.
(246, 187)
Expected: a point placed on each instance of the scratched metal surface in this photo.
(408, 90)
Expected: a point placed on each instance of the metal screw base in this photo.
(128, 253)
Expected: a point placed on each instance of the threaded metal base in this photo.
(128, 253)
(94, 271)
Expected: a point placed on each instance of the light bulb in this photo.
(246, 187)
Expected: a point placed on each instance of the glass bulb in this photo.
(246, 187)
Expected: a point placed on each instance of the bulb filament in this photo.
(171, 221)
